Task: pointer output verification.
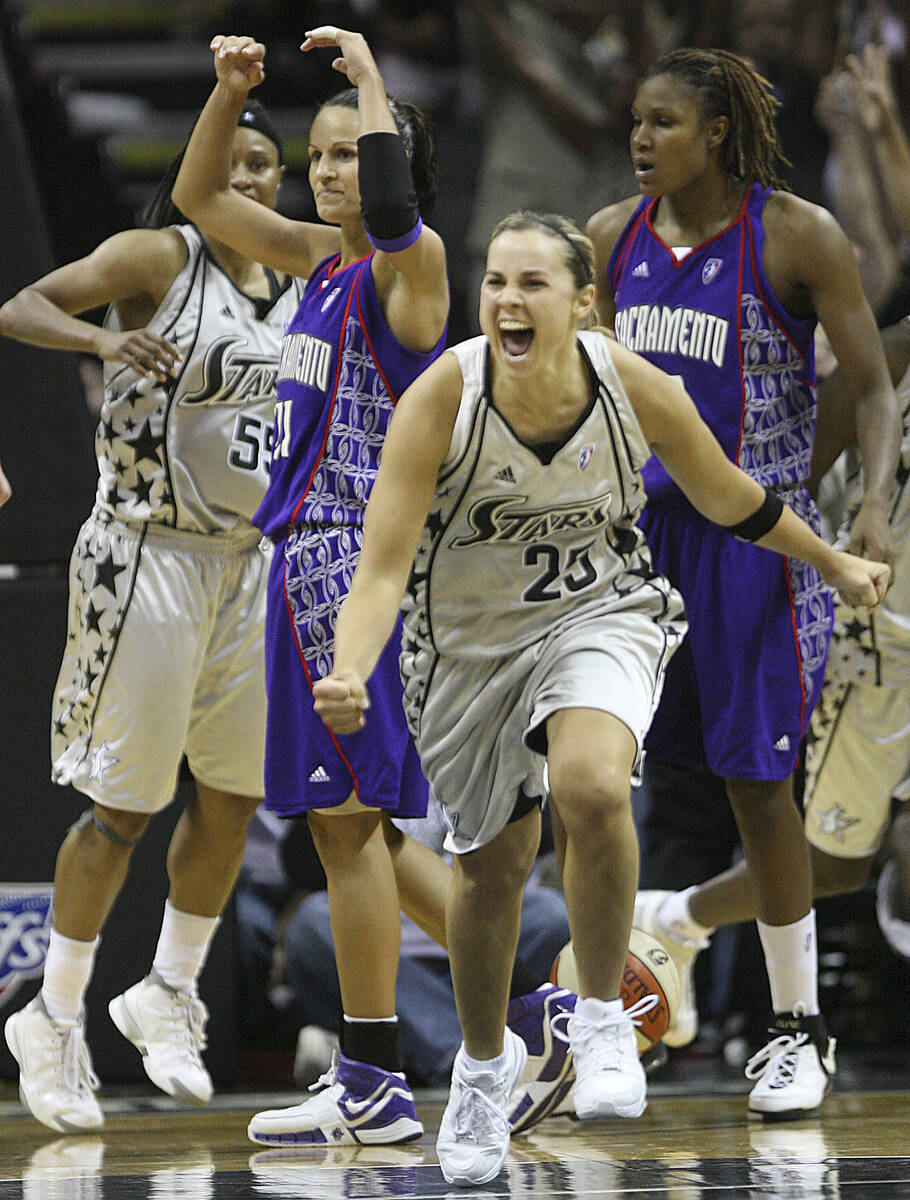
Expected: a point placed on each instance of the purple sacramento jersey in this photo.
(341, 373)
(759, 624)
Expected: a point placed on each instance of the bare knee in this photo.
(115, 826)
(589, 794)
(495, 882)
(221, 816)
(103, 837)
(340, 839)
(758, 803)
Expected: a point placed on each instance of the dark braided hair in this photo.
(416, 131)
(728, 87)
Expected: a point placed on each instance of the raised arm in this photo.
(416, 444)
(132, 270)
(203, 192)
(880, 114)
(409, 267)
(725, 494)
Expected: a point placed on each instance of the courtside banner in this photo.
(25, 929)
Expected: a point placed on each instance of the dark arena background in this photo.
(96, 98)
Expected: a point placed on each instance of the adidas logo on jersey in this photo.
(226, 312)
(320, 775)
(782, 743)
(641, 271)
(504, 476)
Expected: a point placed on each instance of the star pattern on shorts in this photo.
(853, 653)
(105, 560)
(834, 822)
(132, 454)
(101, 760)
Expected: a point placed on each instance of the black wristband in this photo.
(762, 521)
(388, 201)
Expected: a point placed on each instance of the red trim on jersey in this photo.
(678, 262)
(376, 363)
(328, 423)
(287, 603)
(743, 234)
(626, 251)
(799, 656)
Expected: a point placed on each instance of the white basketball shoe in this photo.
(793, 1071)
(167, 1027)
(609, 1078)
(684, 1025)
(474, 1131)
(56, 1081)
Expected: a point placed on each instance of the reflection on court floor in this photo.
(693, 1143)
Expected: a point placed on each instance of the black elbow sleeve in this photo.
(388, 201)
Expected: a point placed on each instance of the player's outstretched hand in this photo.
(860, 582)
(341, 700)
(150, 355)
(238, 61)
(356, 57)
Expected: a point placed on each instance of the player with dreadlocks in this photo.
(719, 275)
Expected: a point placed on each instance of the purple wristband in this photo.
(393, 245)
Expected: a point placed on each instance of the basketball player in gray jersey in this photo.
(536, 631)
(164, 652)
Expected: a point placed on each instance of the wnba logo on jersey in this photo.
(231, 377)
(25, 930)
(710, 269)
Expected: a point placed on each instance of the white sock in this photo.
(791, 956)
(182, 946)
(67, 971)
(676, 919)
(592, 1009)
(475, 1066)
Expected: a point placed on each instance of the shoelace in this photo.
(473, 1103)
(635, 1011)
(609, 1053)
(189, 1014)
(778, 1059)
(77, 1072)
(329, 1077)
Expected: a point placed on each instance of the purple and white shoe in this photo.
(546, 1082)
(356, 1103)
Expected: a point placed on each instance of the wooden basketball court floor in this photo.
(695, 1142)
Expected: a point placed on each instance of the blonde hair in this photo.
(579, 257)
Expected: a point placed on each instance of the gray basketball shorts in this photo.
(481, 734)
(164, 656)
(857, 759)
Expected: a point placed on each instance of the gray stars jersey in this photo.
(193, 453)
(518, 538)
